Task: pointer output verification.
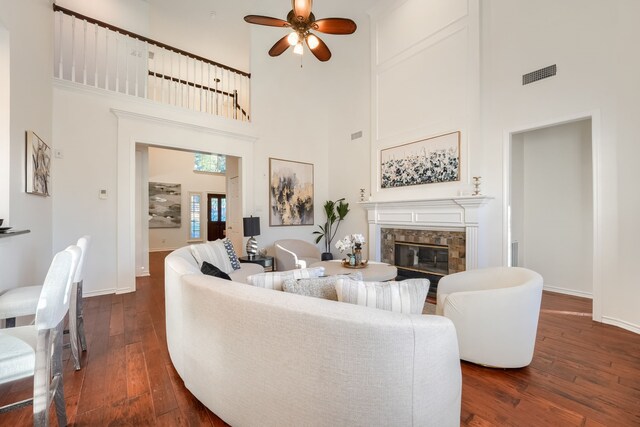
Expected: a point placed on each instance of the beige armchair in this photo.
(293, 253)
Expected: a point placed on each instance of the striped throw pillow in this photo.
(406, 297)
(214, 253)
(274, 280)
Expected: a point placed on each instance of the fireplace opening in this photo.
(419, 260)
(422, 258)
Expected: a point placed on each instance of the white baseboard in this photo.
(98, 293)
(565, 291)
(144, 274)
(125, 291)
(162, 249)
(621, 324)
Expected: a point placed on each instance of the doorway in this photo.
(551, 207)
(216, 216)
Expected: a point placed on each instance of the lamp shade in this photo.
(251, 226)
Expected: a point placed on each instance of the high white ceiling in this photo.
(189, 25)
(227, 31)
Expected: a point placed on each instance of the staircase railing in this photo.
(101, 55)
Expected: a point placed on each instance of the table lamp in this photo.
(251, 227)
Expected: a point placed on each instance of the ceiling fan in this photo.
(301, 20)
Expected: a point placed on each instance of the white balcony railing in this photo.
(98, 54)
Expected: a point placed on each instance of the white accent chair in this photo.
(23, 301)
(294, 253)
(36, 350)
(495, 311)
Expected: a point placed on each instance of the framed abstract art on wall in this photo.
(427, 161)
(165, 205)
(290, 192)
(38, 166)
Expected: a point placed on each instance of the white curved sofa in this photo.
(256, 356)
(495, 311)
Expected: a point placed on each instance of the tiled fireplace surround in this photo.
(453, 240)
(453, 222)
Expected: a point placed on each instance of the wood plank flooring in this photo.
(583, 373)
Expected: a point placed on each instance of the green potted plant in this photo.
(335, 213)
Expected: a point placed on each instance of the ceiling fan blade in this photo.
(302, 9)
(335, 26)
(321, 51)
(265, 20)
(280, 46)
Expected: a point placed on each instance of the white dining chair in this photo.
(36, 350)
(23, 300)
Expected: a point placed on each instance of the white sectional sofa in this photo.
(259, 357)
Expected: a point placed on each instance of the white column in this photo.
(471, 242)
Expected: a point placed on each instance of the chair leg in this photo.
(80, 313)
(41, 378)
(73, 328)
(58, 393)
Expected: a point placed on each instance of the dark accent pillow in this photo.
(212, 270)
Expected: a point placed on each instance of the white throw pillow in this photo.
(274, 280)
(407, 296)
(214, 253)
(318, 287)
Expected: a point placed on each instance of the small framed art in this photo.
(38, 166)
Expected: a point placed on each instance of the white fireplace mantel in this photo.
(451, 213)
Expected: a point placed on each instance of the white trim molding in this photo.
(450, 213)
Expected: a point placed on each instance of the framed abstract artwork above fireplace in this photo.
(427, 161)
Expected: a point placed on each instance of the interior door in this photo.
(216, 216)
(234, 216)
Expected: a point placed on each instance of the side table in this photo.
(265, 261)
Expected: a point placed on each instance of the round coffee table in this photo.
(373, 272)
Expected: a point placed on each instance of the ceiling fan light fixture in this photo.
(293, 38)
(312, 41)
(298, 50)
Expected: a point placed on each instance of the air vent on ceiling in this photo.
(540, 74)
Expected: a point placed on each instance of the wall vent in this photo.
(540, 74)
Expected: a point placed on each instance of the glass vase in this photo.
(357, 251)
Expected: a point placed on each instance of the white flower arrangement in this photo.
(349, 241)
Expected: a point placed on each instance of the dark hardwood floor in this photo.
(583, 373)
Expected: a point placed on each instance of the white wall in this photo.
(308, 114)
(176, 167)
(425, 82)
(25, 259)
(291, 110)
(185, 25)
(589, 41)
(99, 153)
(349, 112)
(556, 206)
(130, 15)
